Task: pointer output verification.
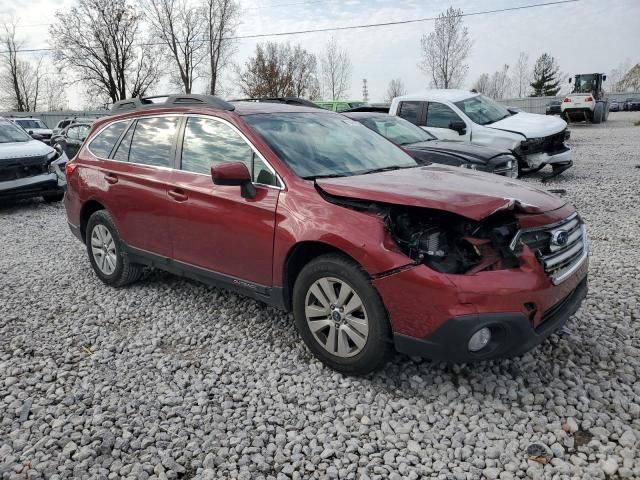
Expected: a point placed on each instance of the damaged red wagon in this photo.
(312, 212)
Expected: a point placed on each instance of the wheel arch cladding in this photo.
(300, 255)
(88, 209)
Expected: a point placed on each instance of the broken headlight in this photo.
(447, 243)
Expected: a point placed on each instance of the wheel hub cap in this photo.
(103, 249)
(336, 317)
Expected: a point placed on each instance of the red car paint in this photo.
(184, 217)
(464, 192)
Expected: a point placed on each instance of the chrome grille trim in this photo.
(558, 261)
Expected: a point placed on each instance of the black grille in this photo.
(16, 172)
(551, 144)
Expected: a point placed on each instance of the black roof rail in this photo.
(172, 100)
(285, 100)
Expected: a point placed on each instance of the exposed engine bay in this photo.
(448, 243)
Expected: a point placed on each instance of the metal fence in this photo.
(51, 119)
(538, 104)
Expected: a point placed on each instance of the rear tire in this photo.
(340, 316)
(107, 252)
(598, 113)
(53, 197)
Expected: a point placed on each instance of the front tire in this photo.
(107, 252)
(340, 315)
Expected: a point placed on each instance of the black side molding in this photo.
(273, 296)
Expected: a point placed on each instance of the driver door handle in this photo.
(178, 195)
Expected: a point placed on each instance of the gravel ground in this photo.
(169, 379)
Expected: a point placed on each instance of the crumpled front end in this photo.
(33, 176)
(511, 280)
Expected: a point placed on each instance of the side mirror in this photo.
(570, 79)
(30, 132)
(234, 174)
(458, 126)
(604, 78)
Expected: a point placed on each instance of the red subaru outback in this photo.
(312, 212)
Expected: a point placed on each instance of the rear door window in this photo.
(153, 141)
(440, 115)
(410, 111)
(104, 142)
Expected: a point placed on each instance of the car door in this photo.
(137, 177)
(439, 119)
(72, 140)
(213, 227)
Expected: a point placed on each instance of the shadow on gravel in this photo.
(8, 205)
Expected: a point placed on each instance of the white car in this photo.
(35, 127)
(536, 140)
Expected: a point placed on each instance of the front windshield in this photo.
(9, 133)
(27, 124)
(325, 145)
(397, 129)
(585, 83)
(483, 110)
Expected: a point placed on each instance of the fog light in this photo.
(479, 340)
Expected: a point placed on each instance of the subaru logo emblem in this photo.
(559, 238)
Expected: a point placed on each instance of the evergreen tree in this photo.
(545, 77)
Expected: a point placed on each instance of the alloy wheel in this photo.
(103, 249)
(336, 317)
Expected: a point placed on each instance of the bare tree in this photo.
(496, 85)
(336, 71)
(395, 89)
(97, 40)
(181, 27)
(55, 92)
(631, 80)
(303, 72)
(616, 76)
(277, 70)
(522, 75)
(20, 79)
(445, 50)
(482, 84)
(221, 20)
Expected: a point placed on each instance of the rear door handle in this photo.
(178, 195)
(111, 178)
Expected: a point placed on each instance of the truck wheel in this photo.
(598, 113)
(107, 252)
(606, 109)
(340, 315)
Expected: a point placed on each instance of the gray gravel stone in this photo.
(169, 379)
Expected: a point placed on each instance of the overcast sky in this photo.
(585, 36)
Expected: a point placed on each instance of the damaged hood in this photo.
(467, 193)
(29, 150)
(531, 125)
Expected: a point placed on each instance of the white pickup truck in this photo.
(536, 140)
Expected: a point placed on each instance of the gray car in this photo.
(28, 167)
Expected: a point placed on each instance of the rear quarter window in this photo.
(410, 111)
(104, 142)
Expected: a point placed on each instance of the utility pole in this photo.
(365, 90)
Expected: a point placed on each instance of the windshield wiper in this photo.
(326, 175)
(383, 169)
